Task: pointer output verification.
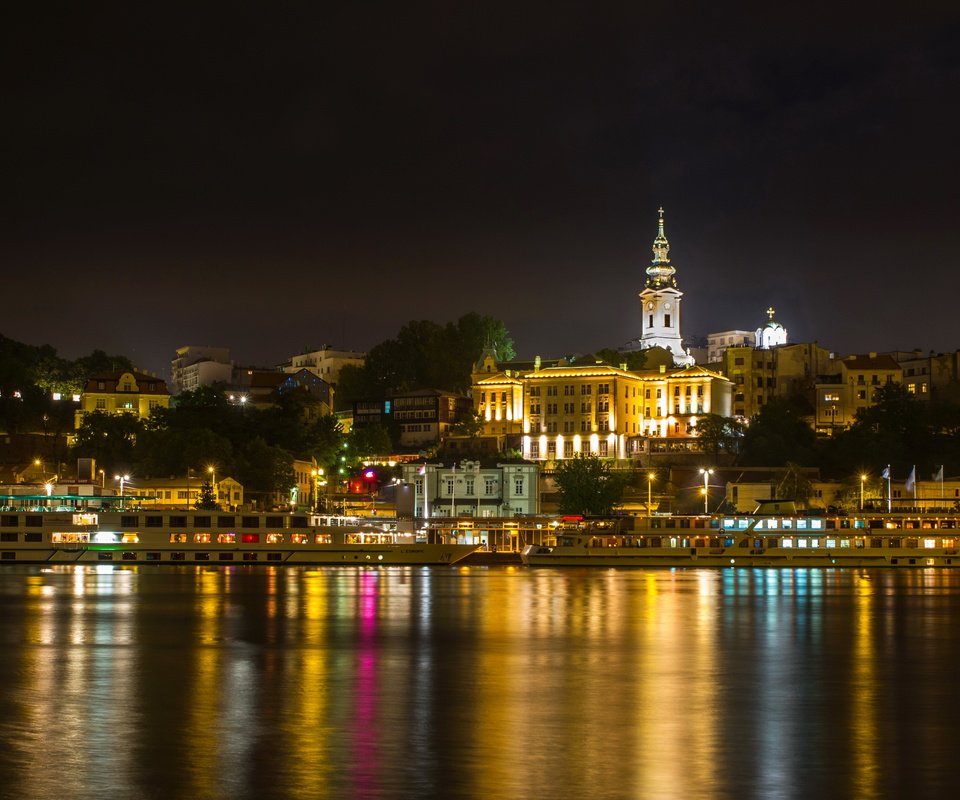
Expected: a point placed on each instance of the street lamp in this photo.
(213, 485)
(317, 475)
(123, 479)
(706, 489)
(650, 477)
(863, 479)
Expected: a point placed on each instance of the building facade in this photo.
(759, 375)
(561, 411)
(720, 341)
(122, 392)
(325, 362)
(840, 398)
(196, 366)
(472, 489)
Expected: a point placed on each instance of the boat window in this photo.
(178, 522)
(321, 538)
(249, 556)
(816, 524)
(105, 556)
(176, 556)
(298, 522)
(895, 542)
(201, 556)
(226, 522)
(201, 538)
(831, 542)
(786, 541)
(33, 537)
(178, 537)
(9, 521)
(274, 538)
(128, 555)
(801, 542)
(673, 541)
(226, 538)
(876, 542)
(787, 524)
(273, 556)
(656, 541)
(249, 522)
(201, 522)
(9, 537)
(130, 538)
(928, 543)
(801, 524)
(299, 538)
(274, 522)
(844, 543)
(250, 538)
(129, 521)
(152, 556)
(153, 521)
(225, 556)
(744, 522)
(911, 542)
(8, 555)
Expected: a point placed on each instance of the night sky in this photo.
(269, 177)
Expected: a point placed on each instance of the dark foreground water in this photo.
(168, 682)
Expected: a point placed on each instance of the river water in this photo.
(477, 682)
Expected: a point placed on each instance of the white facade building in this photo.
(197, 366)
(773, 334)
(326, 362)
(468, 489)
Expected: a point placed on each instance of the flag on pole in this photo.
(911, 481)
(886, 473)
(938, 475)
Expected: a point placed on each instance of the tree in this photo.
(109, 438)
(425, 355)
(368, 440)
(205, 499)
(588, 486)
(778, 434)
(635, 359)
(718, 433)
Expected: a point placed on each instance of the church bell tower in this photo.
(660, 303)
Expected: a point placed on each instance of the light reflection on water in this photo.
(477, 683)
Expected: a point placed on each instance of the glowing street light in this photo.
(650, 477)
(706, 489)
(213, 485)
(317, 475)
(123, 479)
(863, 479)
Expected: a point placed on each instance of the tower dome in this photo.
(771, 334)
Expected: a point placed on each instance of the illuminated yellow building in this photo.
(840, 398)
(561, 410)
(123, 392)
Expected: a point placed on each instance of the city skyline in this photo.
(269, 184)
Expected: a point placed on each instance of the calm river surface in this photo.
(478, 682)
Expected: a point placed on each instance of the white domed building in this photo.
(770, 335)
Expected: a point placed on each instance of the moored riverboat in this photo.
(210, 537)
(758, 540)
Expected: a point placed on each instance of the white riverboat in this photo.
(898, 539)
(162, 536)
